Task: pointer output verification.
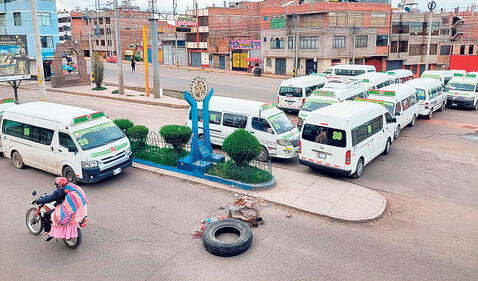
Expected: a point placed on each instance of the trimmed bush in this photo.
(175, 135)
(246, 174)
(138, 134)
(242, 147)
(124, 124)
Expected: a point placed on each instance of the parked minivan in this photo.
(401, 75)
(443, 75)
(346, 136)
(77, 143)
(4, 105)
(292, 92)
(278, 136)
(349, 70)
(430, 95)
(375, 80)
(401, 100)
(462, 91)
(335, 90)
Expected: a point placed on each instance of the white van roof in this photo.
(423, 83)
(64, 114)
(394, 92)
(6, 103)
(353, 66)
(346, 113)
(240, 106)
(373, 77)
(305, 81)
(400, 73)
(341, 83)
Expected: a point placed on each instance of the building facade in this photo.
(16, 19)
(64, 26)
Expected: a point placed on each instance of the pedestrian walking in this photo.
(133, 64)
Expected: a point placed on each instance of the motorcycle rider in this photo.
(58, 196)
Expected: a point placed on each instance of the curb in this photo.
(195, 180)
(163, 104)
(209, 70)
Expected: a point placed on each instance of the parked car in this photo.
(292, 92)
(430, 95)
(112, 59)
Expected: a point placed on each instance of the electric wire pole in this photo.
(38, 52)
(431, 6)
(119, 53)
(176, 57)
(154, 49)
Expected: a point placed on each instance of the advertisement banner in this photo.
(186, 21)
(14, 63)
(245, 44)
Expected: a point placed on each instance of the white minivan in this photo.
(4, 105)
(77, 143)
(375, 80)
(401, 100)
(430, 95)
(349, 70)
(346, 136)
(278, 136)
(401, 75)
(335, 90)
(462, 91)
(292, 92)
(443, 75)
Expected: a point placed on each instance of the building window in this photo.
(400, 28)
(444, 32)
(444, 20)
(102, 31)
(61, 38)
(470, 50)
(277, 22)
(309, 42)
(290, 42)
(265, 39)
(382, 40)
(394, 47)
(378, 20)
(45, 19)
(269, 62)
(462, 49)
(107, 20)
(361, 41)
(103, 43)
(108, 31)
(97, 42)
(277, 43)
(337, 19)
(433, 49)
(403, 46)
(100, 20)
(417, 28)
(2, 19)
(355, 19)
(109, 43)
(338, 42)
(312, 20)
(435, 28)
(46, 41)
(17, 19)
(203, 21)
(414, 50)
(445, 50)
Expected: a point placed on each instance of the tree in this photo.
(98, 70)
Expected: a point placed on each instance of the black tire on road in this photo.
(264, 155)
(359, 170)
(34, 223)
(227, 249)
(70, 175)
(74, 242)
(476, 105)
(414, 120)
(398, 132)
(443, 106)
(387, 147)
(430, 115)
(17, 160)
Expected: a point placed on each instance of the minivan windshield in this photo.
(316, 104)
(421, 94)
(349, 72)
(290, 91)
(324, 135)
(98, 135)
(281, 123)
(461, 86)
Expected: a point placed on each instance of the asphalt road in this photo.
(140, 227)
(228, 85)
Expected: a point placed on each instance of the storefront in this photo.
(241, 50)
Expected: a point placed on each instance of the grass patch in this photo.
(248, 174)
(130, 95)
(99, 88)
(141, 95)
(163, 156)
(115, 92)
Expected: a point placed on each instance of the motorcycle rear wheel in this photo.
(73, 243)
(34, 223)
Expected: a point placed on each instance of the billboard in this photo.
(186, 21)
(13, 58)
(245, 44)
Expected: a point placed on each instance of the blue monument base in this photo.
(187, 164)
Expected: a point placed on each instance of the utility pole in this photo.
(119, 53)
(154, 49)
(431, 6)
(38, 52)
(145, 60)
(176, 57)
(354, 31)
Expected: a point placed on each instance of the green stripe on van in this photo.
(109, 150)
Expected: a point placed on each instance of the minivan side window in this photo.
(405, 104)
(398, 108)
(260, 124)
(27, 132)
(214, 116)
(65, 140)
(388, 117)
(234, 120)
(366, 130)
(412, 100)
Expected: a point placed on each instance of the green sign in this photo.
(88, 117)
(9, 100)
(109, 150)
(323, 93)
(337, 135)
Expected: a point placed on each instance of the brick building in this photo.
(324, 34)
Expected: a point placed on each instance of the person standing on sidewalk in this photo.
(133, 64)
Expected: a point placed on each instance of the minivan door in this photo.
(67, 153)
(264, 133)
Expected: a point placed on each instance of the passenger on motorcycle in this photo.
(69, 213)
(58, 196)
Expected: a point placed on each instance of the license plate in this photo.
(116, 171)
(290, 101)
(322, 155)
(454, 104)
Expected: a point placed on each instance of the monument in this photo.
(68, 72)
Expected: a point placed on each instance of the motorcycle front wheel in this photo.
(73, 243)
(34, 223)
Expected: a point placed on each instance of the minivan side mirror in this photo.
(72, 148)
(394, 120)
(270, 131)
(397, 113)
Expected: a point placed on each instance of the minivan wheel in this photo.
(430, 115)
(264, 155)
(17, 160)
(398, 132)
(359, 169)
(70, 175)
(443, 106)
(387, 147)
(414, 120)
(476, 105)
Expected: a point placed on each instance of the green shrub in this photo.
(163, 156)
(245, 174)
(242, 147)
(138, 134)
(124, 124)
(175, 135)
(115, 92)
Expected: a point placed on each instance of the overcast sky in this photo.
(166, 5)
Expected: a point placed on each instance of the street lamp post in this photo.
(431, 6)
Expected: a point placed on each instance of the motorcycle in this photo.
(34, 221)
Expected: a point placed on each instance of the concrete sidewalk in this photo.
(310, 193)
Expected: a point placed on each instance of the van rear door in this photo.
(290, 97)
